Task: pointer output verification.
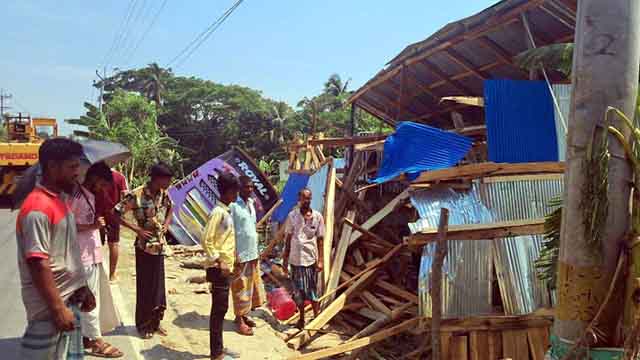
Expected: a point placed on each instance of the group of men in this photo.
(60, 257)
(59, 231)
(231, 246)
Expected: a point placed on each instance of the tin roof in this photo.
(456, 59)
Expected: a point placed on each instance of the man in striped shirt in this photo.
(54, 286)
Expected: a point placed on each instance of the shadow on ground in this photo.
(10, 348)
(269, 319)
(195, 321)
(161, 352)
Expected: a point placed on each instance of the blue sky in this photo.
(49, 50)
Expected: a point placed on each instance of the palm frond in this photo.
(556, 56)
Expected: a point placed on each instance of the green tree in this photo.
(131, 119)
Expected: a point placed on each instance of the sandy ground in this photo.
(187, 317)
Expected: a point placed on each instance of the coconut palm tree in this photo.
(152, 86)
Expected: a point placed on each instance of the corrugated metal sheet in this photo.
(520, 121)
(468, 266)
(514, 257)
(415, 147)
(562, 93)
(318, 186)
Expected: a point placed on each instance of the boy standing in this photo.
(304, 233)
(220, 246)
(88, 224)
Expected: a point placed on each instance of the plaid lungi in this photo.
(305, 280)
(42, 341)
(247, 288)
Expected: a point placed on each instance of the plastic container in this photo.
(281, 303)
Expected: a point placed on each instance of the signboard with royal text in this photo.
(195, 196)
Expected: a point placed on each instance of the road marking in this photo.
(128, 322)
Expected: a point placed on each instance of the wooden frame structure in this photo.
(456, 59)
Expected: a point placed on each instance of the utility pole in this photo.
(4, 96)
(605, 73)
(102, 81)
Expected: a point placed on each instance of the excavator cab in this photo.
(44, 128)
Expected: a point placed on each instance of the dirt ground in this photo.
(187, 317)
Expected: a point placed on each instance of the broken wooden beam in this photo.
(435, 283)
(490, 169)
(377, 217)
(481, 231)
(329, 207)
(269, 213)
(360, 343)
(338, 142)
(368, 233)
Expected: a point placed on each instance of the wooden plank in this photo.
(357, 256)
(314, 157)
(435, 285)
(375, 303)
(340, 253)
(397, 291)
(515, 345)
(368, 233)
(497, 323)
(459, 350)
(538, 343)
(490, 168)
(479, 345)
(307, 158)
(339, 142)
(329, 210)
(377, 217)
(511, 178)
(445, 347)
(495, 345)
(330, 311)
(371, 314)
(269, 213)
(509, 346)
(482, 231)
(360, 343)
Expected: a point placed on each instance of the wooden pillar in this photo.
(605, 73)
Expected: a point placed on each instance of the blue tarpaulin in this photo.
(414, 148)
(520, 121)
(316, 182)
(289, 196)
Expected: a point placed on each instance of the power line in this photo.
(118, 37)
(147, 30)
(129, 38)
(186, 53)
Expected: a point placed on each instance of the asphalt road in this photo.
(12, 315)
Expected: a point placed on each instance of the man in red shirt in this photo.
(105, 202)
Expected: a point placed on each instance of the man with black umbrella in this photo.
(54, 286)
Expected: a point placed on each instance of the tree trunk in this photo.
(605, 73)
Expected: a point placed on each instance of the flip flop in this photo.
(105, 350)
(161, 331)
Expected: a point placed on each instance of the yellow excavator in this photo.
(19, 150)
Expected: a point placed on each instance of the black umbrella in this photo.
(94, 151)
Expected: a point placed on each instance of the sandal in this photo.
(104, 350)
(161, 331)
(146, 335)
(249, 322)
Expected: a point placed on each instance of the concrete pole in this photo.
(605, 73)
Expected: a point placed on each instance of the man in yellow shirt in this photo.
(219, 244)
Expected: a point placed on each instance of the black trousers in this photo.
(219, 307)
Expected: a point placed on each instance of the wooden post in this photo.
(605, 73)
(436, 283)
